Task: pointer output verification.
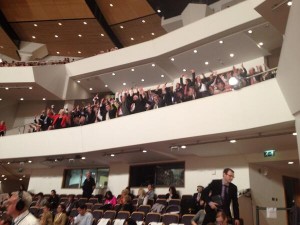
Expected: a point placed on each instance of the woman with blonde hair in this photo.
(142, 197)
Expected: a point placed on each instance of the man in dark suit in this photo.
(198, 202)
(218, 195)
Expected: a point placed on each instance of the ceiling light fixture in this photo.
(162, 76)
(1, 46)
(79, 35)
(195, 51)
(172, 59)
(91, 89)
(159, 11)
(295, 133)
(57, 53)
(143, 21)
(111, 5)
(22, 99)
(79, 52)
(250, 31)
(20, 179)
(60, 24)
(124, 84)
(106, 85)
(261, 43)
(183, 146)
(102, 35)
(6, 88)
(121, 27)
(5, 178)
(290, 163)
(231, 55)
(78, 81)
(206, 63)
(112, 155)
(142, 80)
(153, 65)
(83, 158)
(56, 36)
(0, 99)
(30, 88)
(152, 34)
(29, 161)
(221, 42)
(289, 3)
(132, 69)
(144, 151)
(85, 23)
(33, 37)
(132, 39)
(35, 25)
(8, 163)
(44, 99)
(184, 70)
(113, 74)
(232, 141)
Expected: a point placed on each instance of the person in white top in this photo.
(17, 207)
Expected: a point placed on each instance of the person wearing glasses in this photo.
(219, 195)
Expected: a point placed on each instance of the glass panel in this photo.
(72, 178)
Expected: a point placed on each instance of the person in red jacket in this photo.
(2, 128)
(60, 120)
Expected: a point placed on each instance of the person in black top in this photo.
(53, 200)
(172, 194)
(88, 185)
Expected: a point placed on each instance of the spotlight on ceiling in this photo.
(232, 141)
(144, 151)
(289, 3)
(183, 146)
(295, 133)
(290, 163)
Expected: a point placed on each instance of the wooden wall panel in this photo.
(34, 10)
(68, 42)
(138, 30)
(124, 10)
(7, 47)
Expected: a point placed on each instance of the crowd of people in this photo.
(138, 100)
(35, 63)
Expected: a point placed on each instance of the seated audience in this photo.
(110, 200)
(41, 201)
(61, 217)
(47, 218)
(221, 218)
(142, 197)
(150, 193)
(5, 220)
(53, 200)
(124, 194)
(197, 201)
(70, 204)
(198, 218)
(83, 218)
(172, 194)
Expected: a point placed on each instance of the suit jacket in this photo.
(215, 187)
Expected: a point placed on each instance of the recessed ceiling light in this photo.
(60, 24)
(132, 39)
(79, 35)
(144, 151)
(8, 163)
(91, 89)
(85, 23)
(142, 80)
(6, 88)
(121, 27)
(159, 11)
(33, 37)
(57, 53)
(1, 46)
(78, 81)
(295, 133)
(261, 43)
(30, 88)
(24, 176)
(290, 163)
(124, 84)
(231, 55)
(29, 161)
(111, 5)
(56, 36)
(290, 3)
(162, 76)
(152, 34)
(22, 99)
(112, 155)
(195, 51)
(79, 52)
(143, 21)
(113, 74)
(20, 179)
(132, 69)
(206, 63)
(35, 25)
(232, 141)
(3, 175)
(250, 31)
(5, 178)
(184, 70)
(83, 157)
(44, 99)
(153, 65)
(172, 59)
(102, 35)
(0, 99)
(183, 146)
(55, 160)
(221, 42)
(106, 85)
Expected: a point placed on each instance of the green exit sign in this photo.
(269, 153)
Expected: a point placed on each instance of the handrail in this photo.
(264, 72)
(265, 208)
